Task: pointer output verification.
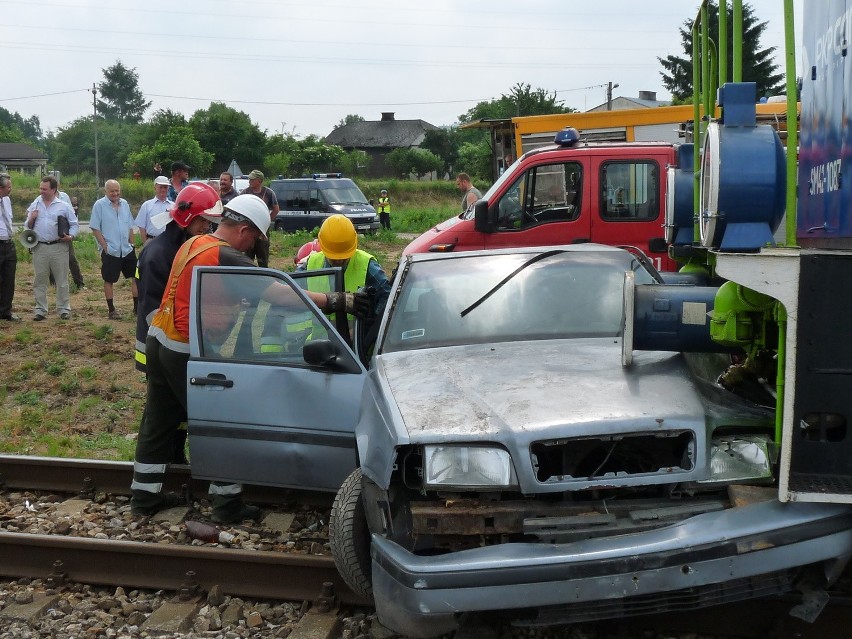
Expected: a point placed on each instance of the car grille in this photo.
(617, 456)
(684, 599)
(362, 219)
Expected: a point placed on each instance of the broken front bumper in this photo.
(421, 596)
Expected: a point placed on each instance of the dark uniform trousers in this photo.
(8, 266)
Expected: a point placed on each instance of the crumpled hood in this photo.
(487, 392)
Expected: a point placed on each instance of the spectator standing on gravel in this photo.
(180, 178)
(8, 254)
(243, 220)
(150, 208)
(471, 193)
(384, 210)
(50, 255)
(112, 225)
(261, 248)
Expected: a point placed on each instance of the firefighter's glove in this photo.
(357, 304)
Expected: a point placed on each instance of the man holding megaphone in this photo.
(50, 253)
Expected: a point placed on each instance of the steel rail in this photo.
(242, 573)
(60, 474)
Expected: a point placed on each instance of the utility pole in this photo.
(95, 127)
(609, 87)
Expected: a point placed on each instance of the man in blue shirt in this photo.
(112, 225)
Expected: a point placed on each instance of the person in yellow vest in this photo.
(384, 209)
(243, 221)
(338, 243)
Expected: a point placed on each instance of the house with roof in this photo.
(377, 138)
(25, 158)
(646, 100)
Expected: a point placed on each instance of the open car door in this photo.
(273, 392)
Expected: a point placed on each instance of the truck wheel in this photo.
(350, 537)
(279, 226)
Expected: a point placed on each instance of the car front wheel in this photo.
(350, 536)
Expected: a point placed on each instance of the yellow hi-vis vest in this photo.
(384, 205)
(299, 328)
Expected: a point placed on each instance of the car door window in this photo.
(237, 322)
(545, 193)
(629, 190)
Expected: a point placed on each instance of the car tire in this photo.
(350, 537)
(279, 226)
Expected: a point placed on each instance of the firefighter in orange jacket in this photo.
(243, 220)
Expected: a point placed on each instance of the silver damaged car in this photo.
(538, 433)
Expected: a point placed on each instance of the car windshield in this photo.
(566, 294)
(344, 194)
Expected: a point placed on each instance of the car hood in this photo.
(486, 392)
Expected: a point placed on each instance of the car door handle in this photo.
(214, 379)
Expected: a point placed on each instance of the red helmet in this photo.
(306, 250)
(197, 198)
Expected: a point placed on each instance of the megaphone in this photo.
(28, 238)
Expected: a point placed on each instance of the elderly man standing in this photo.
(157, 204)
(112, 225)
(260, 250)
(55, 224)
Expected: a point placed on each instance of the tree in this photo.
(23, 130)
(757, 63)
(444, 143)
(475, 159)
(521, 100)
(350, 119)
(229, 135)
(408, 161)
(72, 149)
(121, 100)
(176, 144)
(160, 123)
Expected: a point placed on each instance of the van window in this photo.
(345, 194)
(629, 191)
(294, 200)
(546, 193)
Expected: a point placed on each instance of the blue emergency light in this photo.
(569, 136)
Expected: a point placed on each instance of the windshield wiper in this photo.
(499, 285)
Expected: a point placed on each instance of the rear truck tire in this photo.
(349, 537)
(279, 226)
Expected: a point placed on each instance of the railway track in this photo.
(189, 570)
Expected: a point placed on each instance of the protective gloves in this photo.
(357, 304)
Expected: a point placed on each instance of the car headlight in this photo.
(467, 467)
(742, 458)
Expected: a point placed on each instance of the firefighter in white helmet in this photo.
(243, 220)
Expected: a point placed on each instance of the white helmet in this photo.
(248, 207)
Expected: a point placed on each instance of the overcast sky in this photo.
(301, 66)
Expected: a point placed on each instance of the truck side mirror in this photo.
(483, 221)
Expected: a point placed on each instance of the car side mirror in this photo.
(483, 221)
(327, 354)
(320, 352)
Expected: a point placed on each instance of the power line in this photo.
(42, 95)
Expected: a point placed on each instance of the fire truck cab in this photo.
(569, 192)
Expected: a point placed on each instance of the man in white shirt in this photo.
(8, 255)
(50, 255)
(158, 204)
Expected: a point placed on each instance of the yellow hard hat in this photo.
(338, 238)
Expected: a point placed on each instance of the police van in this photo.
(306, 202)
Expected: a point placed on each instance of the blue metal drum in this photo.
(680, 183)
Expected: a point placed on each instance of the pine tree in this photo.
(120, 98)
(757, 65)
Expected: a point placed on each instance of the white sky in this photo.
(302, 65)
